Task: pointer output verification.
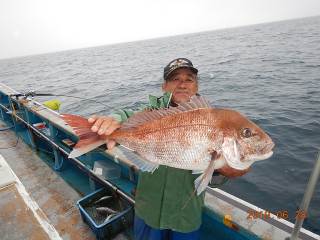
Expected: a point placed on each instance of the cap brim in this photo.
(191, 68)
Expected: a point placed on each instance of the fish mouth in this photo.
(265, 149)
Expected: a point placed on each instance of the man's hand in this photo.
(227, 171)
(104, 125)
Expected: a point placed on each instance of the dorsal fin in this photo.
(196, 102)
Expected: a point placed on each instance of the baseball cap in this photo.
(178, 63)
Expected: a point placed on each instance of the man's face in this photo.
(182, 83)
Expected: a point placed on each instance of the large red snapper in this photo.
(192, 136)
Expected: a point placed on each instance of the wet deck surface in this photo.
(55, 197)
(15, 213)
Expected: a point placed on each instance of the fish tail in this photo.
(88, 140)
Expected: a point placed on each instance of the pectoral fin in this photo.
(202, 181)
(135, 159)
(198, 171)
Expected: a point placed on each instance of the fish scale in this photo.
(189, 140)
(192, 136)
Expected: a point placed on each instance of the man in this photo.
(161, 195)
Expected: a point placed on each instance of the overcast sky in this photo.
(29, 27)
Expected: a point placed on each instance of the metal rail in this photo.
(82, 165)
(306, 199)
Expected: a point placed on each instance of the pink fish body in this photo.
(192, 136)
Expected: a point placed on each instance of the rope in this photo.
(14, 111)
(55, 168)
(17, 136)
(4, 129)
(13, 145)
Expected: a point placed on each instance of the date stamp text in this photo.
(280, 214)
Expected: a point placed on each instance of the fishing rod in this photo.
(32, 94)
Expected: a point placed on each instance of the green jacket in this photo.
(161, 195)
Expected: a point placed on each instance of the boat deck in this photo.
(40, 204)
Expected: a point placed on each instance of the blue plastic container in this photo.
(96, 222)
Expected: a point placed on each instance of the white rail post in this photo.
(306, 199)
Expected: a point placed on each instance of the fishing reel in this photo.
(30, 94)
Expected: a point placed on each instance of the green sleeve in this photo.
(122, 115)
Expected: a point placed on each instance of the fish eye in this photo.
(247, 133)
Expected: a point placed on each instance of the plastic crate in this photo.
(97, 224)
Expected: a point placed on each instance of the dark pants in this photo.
(143, 232)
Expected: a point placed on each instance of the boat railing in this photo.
(306, 199)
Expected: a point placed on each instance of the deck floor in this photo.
(53, 195)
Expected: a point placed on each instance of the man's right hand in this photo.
(104, 125)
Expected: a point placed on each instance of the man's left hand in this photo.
(227, 171)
